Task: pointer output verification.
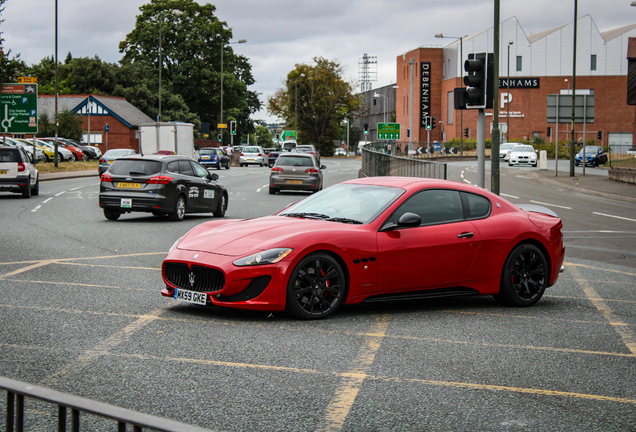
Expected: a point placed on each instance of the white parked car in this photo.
(522, 154)
(341, 152)
(505, 149)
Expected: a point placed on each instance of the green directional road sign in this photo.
(388, 131)
(19, 108)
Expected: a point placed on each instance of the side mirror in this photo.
(408, 220)
(322, 167)
(214, 176)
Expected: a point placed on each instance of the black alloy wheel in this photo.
(179, 209)
(316, 288)
(221, 206)
(524, 277)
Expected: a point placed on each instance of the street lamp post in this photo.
(377, 95)
(461, 83)
(240, 41)
(174, 12)
(508, 101)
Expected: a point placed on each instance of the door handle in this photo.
(465, 235)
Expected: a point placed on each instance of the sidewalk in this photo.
(68, 175)
(591, 184)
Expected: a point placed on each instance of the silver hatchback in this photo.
(296, 171)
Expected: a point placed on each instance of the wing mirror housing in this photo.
(408, 220)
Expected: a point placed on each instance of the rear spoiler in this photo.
(537, 209)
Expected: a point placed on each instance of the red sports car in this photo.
(370, 240)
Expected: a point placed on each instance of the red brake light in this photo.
(106, 178)
(21, 167)
(311, 171)
(242, 154)
(260, 154)
(159, 180)
(102, 160)
(276, 169)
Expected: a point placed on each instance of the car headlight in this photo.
(270, 256)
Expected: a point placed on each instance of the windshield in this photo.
(352, 203)
(523, 149)
(135, 167)
(589, 150)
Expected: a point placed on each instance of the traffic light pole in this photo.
(481, 148)
(496, 132)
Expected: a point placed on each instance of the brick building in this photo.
(537, 66)
(122, 118)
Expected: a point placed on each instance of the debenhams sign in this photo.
(519, 82)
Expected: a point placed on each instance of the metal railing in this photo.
(16, 392)
(376, 163)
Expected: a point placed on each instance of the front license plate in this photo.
(126, 202)
(294, 181)
(190, 296)
(3, 171)
(129, 185)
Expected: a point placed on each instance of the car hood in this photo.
(241, 237)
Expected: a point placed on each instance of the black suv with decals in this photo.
(162, 185)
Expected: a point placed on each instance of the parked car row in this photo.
(67, 150)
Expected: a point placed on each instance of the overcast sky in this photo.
(282, 33)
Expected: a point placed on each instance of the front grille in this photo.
(194, 278)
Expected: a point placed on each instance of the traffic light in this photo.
(466, 132)
(366, 128)
(233, 127)
(432, 122)
(277, 137)
(220, 137)
(549, 133)
(475, 82)
(427, 122)
(599, 135)
(408, 133)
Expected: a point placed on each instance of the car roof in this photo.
(155, 157)
(292, 154)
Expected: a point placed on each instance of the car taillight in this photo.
(260, 155)
(101, 160)
(106, 178)
(242, 154)
(21, 167)
(276, 169)
(311, 171)
(159, 180)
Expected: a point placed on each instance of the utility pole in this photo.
(494, 147)
(412, 63)
(572, 152)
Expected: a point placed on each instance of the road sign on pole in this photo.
(388, 131)
(19, 108)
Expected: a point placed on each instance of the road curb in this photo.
(67, 175)
(580, 189)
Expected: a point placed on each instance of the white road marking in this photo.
(551, 205)
(259, 189)
(79, 187)
(63, 192)
(35, 209)
(509, 196)
(47, 200)
(615, 217)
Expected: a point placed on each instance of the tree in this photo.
(70, 126)
(263, 136)
(322, 99)
(191, 59)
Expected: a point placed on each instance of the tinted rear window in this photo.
(9, 155)
(294, 161)
(209, 152)
(251, 150)
(135, 167)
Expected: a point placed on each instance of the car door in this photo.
(208, 196)
(438, 253)
(191, 184)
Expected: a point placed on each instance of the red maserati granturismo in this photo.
(370, 240)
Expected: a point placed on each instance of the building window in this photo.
(519, 63)
(451, 107)
(593, 62)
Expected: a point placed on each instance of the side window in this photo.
(478, 206)
(185, 168)
(173, 167)
(200, 171)
(433, 206)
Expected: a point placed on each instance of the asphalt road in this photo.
(81, 313)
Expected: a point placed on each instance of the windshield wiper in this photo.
(344, 220)
(308, 215)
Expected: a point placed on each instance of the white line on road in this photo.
(615, 217)
(79, 187)
(259, 189)
(510, 196)
(63, 192)
(47, 200)
(35, 209)
(551, 205)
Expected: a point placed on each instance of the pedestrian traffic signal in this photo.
(599, 135)
(466, 132)
(233, 127)
(366, 128)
